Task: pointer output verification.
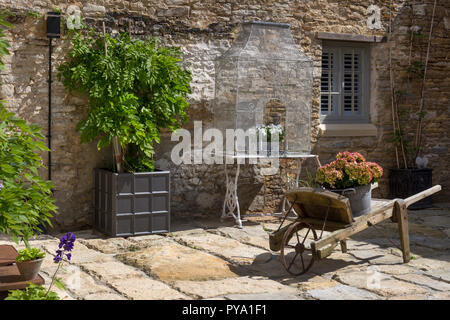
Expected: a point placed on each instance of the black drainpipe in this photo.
(53, 32)
(49, 136)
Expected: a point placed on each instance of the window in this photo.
(344, 96)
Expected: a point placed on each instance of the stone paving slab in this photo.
(104, 296)
(436, 221)
(342, 292)
(439, 274)
(144, 288)
(80, 284)
(229, 249)
(241, 285)
(424, 281)
(109, 246)
(379, 283)
(307, 282)
(438, 262)
(204, 258)
(264, 296)
(378, 256)
(80, 254)
(173, 262)
(252, 235)
(111, 270)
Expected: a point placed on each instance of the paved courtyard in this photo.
(205, 259)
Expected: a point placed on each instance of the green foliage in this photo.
(417, 68)
(34, 14)
(26, 201)
(135, 90)
(32, 292)
(3, 44)
(59, 284)
(310, 181)
(28, 254)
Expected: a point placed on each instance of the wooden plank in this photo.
(276, 238)
(329, 226)
(8, 255)
(421, 195)
(361, 223)
(402, 215)
(343, 246)
(325, 251)
(315, 203)
(10, 279)
(349, 37)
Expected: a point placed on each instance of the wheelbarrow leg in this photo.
(343, 246)
(402, 217)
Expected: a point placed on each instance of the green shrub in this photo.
(32, 292)
(136, 88)
(26, 201)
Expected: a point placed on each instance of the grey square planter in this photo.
(128, 204)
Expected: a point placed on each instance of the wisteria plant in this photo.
(350, 169)
(37, 292)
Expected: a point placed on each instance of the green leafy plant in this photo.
(38, 292)
(26, 202)
(32, 292)
(4, 45)
(28, 254)
(136, 88)
(310, 181)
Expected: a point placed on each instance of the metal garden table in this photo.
(231, 202)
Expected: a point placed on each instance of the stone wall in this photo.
(205, 30)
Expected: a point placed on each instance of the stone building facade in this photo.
(205, 30)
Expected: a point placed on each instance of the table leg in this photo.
(231, 202)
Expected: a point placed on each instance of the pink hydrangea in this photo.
(350, 169)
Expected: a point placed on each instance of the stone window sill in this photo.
(348, 130)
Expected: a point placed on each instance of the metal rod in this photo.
(324, 222)
(49, 135)
(287, 213)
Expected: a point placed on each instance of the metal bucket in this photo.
(360, 198)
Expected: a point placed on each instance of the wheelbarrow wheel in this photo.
(301, 259)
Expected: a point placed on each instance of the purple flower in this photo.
(58, 256)
(1, 185)
(66, 243)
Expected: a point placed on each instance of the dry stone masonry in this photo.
(205, 30)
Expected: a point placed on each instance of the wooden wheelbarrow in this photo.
(319, 210)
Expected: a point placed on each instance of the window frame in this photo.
(339, 47)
